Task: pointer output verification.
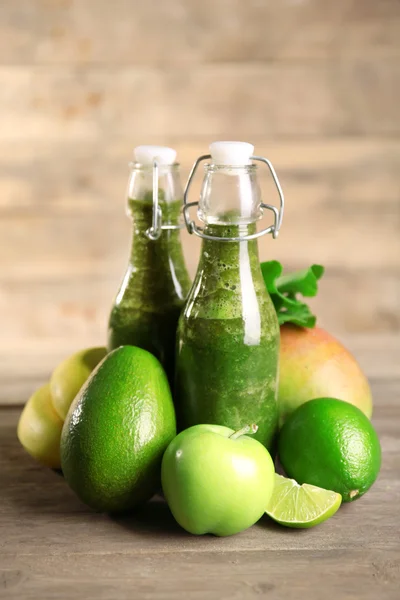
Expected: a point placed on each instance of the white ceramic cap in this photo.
(231, 153)
(145, 155)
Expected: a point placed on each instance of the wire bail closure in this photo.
(199, 231)
(153, 233)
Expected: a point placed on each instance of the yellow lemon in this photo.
(39, 428)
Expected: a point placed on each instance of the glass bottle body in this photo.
(228, 333)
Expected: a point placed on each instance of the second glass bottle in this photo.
(147, 307)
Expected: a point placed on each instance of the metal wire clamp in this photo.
(154, 231)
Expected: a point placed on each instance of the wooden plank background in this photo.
(315, 85)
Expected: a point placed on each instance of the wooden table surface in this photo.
(53, 547)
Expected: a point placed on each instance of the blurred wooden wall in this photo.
(314, 84)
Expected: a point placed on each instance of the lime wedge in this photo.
(301, 506)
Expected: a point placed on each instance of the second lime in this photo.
(331, 444)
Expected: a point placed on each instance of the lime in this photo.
(331, 444)
(301, 506)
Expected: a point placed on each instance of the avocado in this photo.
(116, 431)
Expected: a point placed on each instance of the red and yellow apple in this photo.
(313, 364)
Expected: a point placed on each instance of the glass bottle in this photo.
(228, 333)
(147, 307)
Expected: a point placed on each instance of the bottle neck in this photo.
(230, 230)
(230, 195)
(222, 256)
(156, 273)
(140, 183)
(140, 208)
(230, 207)
(144, 249)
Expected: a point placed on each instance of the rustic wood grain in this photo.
(130, 31)
(62, 101)
(206, 576)
(52, 546)
(370, 29)
(233, 100)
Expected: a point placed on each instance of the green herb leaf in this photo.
(299, 315)
(283, 290)
(303, 282)
(271, 271)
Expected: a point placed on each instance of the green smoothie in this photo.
(228, 341)
(152, 294)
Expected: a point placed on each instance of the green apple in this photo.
(216, 480)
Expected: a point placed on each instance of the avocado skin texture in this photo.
(117, 430)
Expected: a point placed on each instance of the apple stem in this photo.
(246, 429)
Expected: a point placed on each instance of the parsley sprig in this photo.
(284, 291)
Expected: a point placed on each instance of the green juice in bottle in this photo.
(228, 333)
(148, 304)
